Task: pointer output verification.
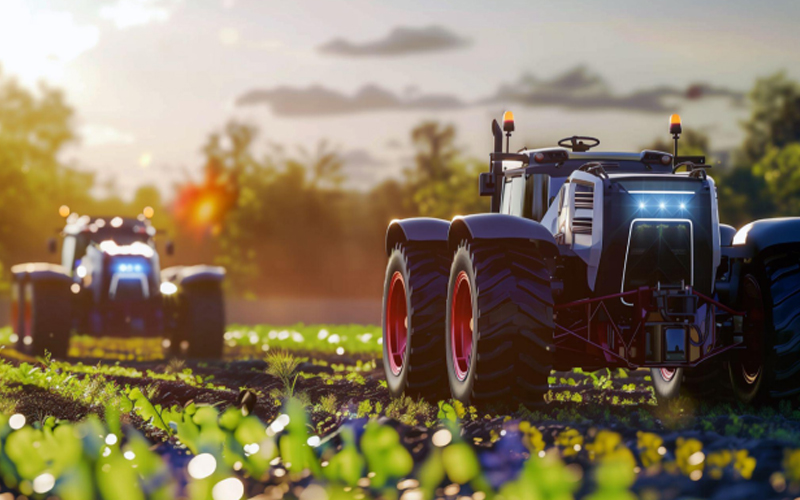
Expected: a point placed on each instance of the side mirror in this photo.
(170, 248)
(486, 184)
(52, 245)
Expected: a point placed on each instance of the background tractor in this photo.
(592, 259)
(109, 283)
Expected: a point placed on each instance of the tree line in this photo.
(281, 221)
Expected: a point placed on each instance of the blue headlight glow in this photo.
(130, 266)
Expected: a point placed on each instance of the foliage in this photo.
(774, 116)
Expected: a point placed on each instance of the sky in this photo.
(150, 79)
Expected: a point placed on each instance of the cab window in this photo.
(514, 196)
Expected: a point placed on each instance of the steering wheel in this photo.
(577, 143)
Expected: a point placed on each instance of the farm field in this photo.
(303, 412)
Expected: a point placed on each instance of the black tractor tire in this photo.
(46, 318)
(18, 310)
(200, 330)
(414, 299)
(707, 382)
(666, 383)
(769, 366)
(499, 325)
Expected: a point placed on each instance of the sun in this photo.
(38, 44)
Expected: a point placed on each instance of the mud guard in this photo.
(726, 234)
(501, 226)
(40, 271)
(416, 229)
(187, 275)
(760, 235)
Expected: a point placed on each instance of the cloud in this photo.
(129, 13)
(317, 100)
(576, 89)
(103, 135)
(401, 41)
(579, 88)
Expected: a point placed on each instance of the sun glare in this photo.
(38, 44)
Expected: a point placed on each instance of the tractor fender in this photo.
(726, 234)
(188, 275)
(416, 229)
(40, 271)
(760, 235)
(501, 226)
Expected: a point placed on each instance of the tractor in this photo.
(109, 283)
(592, 260)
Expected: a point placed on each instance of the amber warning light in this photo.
(675, 124)
(508, 121)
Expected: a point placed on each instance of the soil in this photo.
(623, 408)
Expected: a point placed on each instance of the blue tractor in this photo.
(110, 283)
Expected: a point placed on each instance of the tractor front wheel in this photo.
(499, 325)
(201, 321)
(413, 319)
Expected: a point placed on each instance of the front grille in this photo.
(659, 252)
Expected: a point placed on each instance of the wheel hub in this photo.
(396, 323)
(461, 326)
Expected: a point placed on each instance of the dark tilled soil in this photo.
(577, 403)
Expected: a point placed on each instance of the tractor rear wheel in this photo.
(46, 320)
(499, 325)
(201, 322)
(414, 297)
(769, 365)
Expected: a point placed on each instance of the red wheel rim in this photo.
(396, 323)
(667, 373)
(461, 325)
(750, 357)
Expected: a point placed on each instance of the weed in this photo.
(328, 404)
(283, 366)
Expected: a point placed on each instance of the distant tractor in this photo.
(592, 260)
(109, 283)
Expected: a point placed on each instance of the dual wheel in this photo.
(488, 312)
(766, 368)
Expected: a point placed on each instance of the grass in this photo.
(240, 342)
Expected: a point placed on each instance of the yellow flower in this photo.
(608, 446)
(649, 444)
(791, 465)
(570, 440)
(531, 437)
(605, 442)
(689, 455)
(744, 463)
(717, 461)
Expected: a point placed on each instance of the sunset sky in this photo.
(150, 79)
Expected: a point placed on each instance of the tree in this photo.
(442, 184)
(780, 170)
(34, 127)
(760, 183)
(774, 118)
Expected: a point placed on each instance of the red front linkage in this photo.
(667, 328)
